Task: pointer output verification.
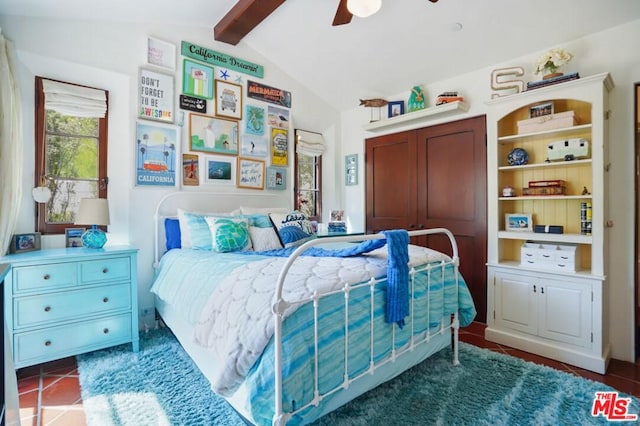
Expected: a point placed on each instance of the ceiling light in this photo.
(363, 8)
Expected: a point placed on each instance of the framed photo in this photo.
(197, 79)
(254, 146)
(157, 150)
(156, 100)
(190, 170)
(541, 110)
(519, 222)
(220, 170)
(351, 169)
(395, 108)
(21, 243)
(214, 135)
(161, 53)
(276, 178)
(279, 147)
(250, 173)
(278, 117)
(228, 100)
(73, 237)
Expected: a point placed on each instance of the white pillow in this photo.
(264, 239)
(229, 234)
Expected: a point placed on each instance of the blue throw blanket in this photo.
(363, 247)
(397, 276)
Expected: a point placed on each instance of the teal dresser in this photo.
(63, 302)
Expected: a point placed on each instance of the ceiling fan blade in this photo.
(343, 16)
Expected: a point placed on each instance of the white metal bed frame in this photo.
(280, 305)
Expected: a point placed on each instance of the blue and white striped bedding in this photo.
(187, 278)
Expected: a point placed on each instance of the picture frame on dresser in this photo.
(73, 237)
(22, 243)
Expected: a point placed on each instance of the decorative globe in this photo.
(517, 157)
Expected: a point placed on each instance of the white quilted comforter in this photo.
(237, 323)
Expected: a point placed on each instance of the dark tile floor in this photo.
(50, 393)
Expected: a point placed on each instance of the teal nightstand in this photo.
(63, 302)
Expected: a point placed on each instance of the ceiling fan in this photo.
(360, 8)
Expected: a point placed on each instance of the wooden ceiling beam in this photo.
(242, 18)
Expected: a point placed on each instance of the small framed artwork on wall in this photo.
(351, 169)
(250, 173)
(220, 170)
(276, 178)
(197, 80)
(190, 170)
(228, 100)
(212, 134)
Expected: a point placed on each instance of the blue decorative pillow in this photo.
(229, 234)
(172, 233)
(293, 228)
(194, 231)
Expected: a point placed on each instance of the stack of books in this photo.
(551, 81)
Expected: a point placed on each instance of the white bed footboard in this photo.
(280, 305)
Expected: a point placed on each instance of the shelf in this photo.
(588, 161)
(563, 131)
(546, 197)
(553, 238)
(411, 117)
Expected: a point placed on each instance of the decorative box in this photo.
(548, 229)
(544, 190)
(544, 183)
(336, 226)
(555, 257)
(547, 122)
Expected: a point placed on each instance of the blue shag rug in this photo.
(160, 385)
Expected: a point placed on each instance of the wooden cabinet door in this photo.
(391, 182)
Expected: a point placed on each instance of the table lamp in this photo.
(94, 212)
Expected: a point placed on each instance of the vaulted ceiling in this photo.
(407, 42)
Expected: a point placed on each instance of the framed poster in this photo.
(190, 170)
(228, 100)
(351, 169)
(197, 79)
(250, 173)
(214, 135)
(276, 178)
(155, 101)
(157, 148)
(254, 120)
(254, 146)
(161, 53)
(278, 117)
(220, 170)
(279, 147)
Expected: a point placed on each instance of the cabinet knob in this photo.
(47, 343)
(105, 331)
(47, 308)
(105, 270)
(105, 299)
(46, 276)
(542, 290)
(420, 226)
(534, 288)
(411, 225)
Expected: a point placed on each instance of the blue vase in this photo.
(94, 237)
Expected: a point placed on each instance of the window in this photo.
(308, 174)
(71, 149)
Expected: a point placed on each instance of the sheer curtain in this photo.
(11, 144)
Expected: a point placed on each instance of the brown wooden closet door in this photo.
(391, 182)
(452, 194)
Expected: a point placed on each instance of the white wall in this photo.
(613, 51)
(109, 56)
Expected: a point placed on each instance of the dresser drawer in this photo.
(71, 339)
(49, 308)
(38, 277)
(105, 270)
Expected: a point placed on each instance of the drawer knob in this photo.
(105, 270)
(105, 299)
(47, 308)
(47, 343)
(46, 276)
(105, 331)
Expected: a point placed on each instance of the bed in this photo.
(287, 335)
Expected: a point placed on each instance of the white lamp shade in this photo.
(93, 211)
(363, 8)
